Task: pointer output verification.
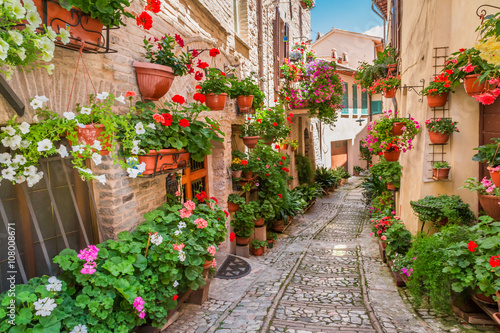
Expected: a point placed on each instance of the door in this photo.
(195, 179)
(339, 154)
(489, 127)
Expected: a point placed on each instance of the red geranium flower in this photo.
(199, 97)
(275, 124)
(214, 199)
(227, 214)
(280, 195)
(168, 119)
(267, 174)
(259, 120)
(214, 52)
(179, 40)
(198, 76)
(130, 94)
(178, 99)
(285, 169)
(222, 73)
(198, 87)
(175, 297)
(145, 20)
(231, 237)
(201, 196)
(291, 115)
(184, 122)
(195, 53)
(280, 163)
(495, 261)
(154, 6)
(283, 158)
(244, 162)
(159, 119)
(202, 64)
(472, 246)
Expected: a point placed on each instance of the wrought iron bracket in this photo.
(11, 97)
(482, 12)
(414, 89)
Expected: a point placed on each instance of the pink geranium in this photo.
(211, 250)
(190, 205)
(185, 213)
(178, 247)
(200, 223)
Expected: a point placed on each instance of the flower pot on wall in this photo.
(172, 159)
(391, 93)
(154, 80)
(490, 205)
(251, 141)
(244, 102)
(149, 159)
(247, 174)
(392, 68)
(397, 128)
(216, 102)
(495, 176)
(436, 101)
(285, 146)
(438, 138)
(391, 186)
(392, 156)
(232, 207)
(441, 173)
(92, 132)
(279, 226)
(472, 85)
(303, 4)
(236, 173)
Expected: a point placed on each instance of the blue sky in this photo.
(351, 15)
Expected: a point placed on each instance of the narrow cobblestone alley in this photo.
(325, 275)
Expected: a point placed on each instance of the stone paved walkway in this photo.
(324, 275)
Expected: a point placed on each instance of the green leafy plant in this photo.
(236, 199)
(386, 57)
(309, 192)
(107, 12)
(271, 235)
(366, 74)
(257, 244)
(442, 125)
(441, 207)
(310, 4)
(271, 123)
(467, 62)
(250, 128)
(290, 71)
(215, 82)
(341, 172)
(325, 178)
(384, 84)
(305, 169)
(484, 187)
(489, 153)
(398, 240)
(388, 172)
(245, 87)
(373, 187)
(358, 169)
(382, 204)
(441, 165)
(160, 51)
(440, 85)
(243, 221)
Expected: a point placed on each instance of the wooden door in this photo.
(195, 179)
(489, 127)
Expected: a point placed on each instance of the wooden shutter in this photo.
(354, 99)
(286, 44)
(277, 30)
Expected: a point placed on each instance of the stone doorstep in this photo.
(317, 327)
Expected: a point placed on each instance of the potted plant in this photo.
(388, 58)
(437, 91)
(397, 239)
(244, 91)
(272, 237)
(215, 86)
(440, 170)
(443, 209)
(271, 123)
(489, 153)
(258, 247)
(357, 170)
(250, 133)
(366, 74)
(243, 224)
(236, 167)
(440, 129)
(289, 71)
(284, 144)
(235, 202)
(294, 144)
(155, 77)
(386, 85)
(488, 193)
(308, 4)
(388, 172)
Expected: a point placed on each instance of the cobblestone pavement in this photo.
(324, 275)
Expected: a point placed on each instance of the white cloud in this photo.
(377, 31)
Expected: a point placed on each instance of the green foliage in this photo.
(387, 57)
(215, 82)
(442, 125)
(358, 169)
(489, 153)
(160, 51)
(366, 74)
(443, 206)
(108, 12)
(325, 178)
(272, 123)
(388, 172)
(305, 169)
(382, 204)
(341, 172)
(243, 221)
(236, 199)
(256, 244)
(309, 192)
(245, 87)
(372, 187)
(398, 240)
(271, 235)
(441, 165)
(458, 60)
(485, 187)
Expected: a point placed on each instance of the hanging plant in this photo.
(437, 91)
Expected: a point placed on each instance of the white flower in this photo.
(21, 52)
(30, 171)
(69, 115)
(20, 179)
(24, 127)
(79, 125)
(33, 179)
(96, 145)
(152, 126)
(85, 170)
(5, 158)
(141, 167)
(64, 34)
(181, 225)
(18, 10)
(49, 68)
(16, 37)
(103, 95)
(35, 118)
(97, 158)
(14, 165)
(54, 284)
(19, 159)
(15, 142)
(8, 173)
(34, 19)
(9, 130)
(44, 306)
(139, 128)
(156, 239)
(50, 33)
(6, 141)
(132, 173)
(85, 110)
(63, 151)
(136, 142)
(177, 232)
(79, 329)
(176, 284)
(36, 103)
(42, 98)
(121, 99)
(4, 47)
(101, 179)
(25, 143)
(182, 255)
(29, 5)
(44, 145)
(135, 150)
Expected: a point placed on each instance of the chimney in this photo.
(345, 60)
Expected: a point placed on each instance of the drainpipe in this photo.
(260, 41)
(381, 16)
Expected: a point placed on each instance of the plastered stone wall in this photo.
(203, 24)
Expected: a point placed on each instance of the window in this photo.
(376, 107)
(396, 25)
(345, 99)
(364, 103)
(281, 45)
(354, 99)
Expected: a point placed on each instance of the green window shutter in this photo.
(376, 107)
(354, 99)
(345, 100)
(364, 103)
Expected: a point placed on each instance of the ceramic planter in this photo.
(92, 132)
(236, 173)
(232, 207)
(495, 176)
(154, 80)
(251, 141)
(303, 4)
(247, 174)
(168, 159)
(441, 173)
(438, 138)
(472, 85)
(279, 226)
(391, 186)
(490, 205)
(391, 93)
(259, 223)
(258, 252)
(285, 146)
(397, 128)
(149, 160)
(207, 264)
(242, 241)
(216, 102)
(244, 102)
(392, 156)
(437, 101)
(486, 299)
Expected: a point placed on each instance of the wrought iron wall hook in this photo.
(418, 92)
(482, 12)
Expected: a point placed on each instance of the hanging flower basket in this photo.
(251, 141)
(397, 128)
(154, 80)
(495, 176)
(303, 4)
(244, 103)
(216, 102)
(92, 132)
(438, 138)
(392, 156)
(436, 101)
(390, 93)
(269, 142)
(490, 204)
(441, 173)
(472, 85)
(284, 146)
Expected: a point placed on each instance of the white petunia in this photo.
(54, 284)
(36, 103)
(177, 232)
(18, 10)
(4, 48)
(51, 34)
(25, 143)
(8, 173)
(42, 98)
(182, 255)
(136, 142)
(141, 167)
(85, 170)
(135, 150)
(21, 53)
(9, 130)
(15, 142)
(49, 68)
(176, 284)
(34, 179)
(139, 128)
(79, 329)
(47, 56)
(6, 141)
(5, 158)
(85, 110)
(102, 95)
(19, 159)
(24, 127)
(44, 145)
(64, 34)
(63, 151)
(16, 37)
(101, 179)
(29, 5)
(152, 126)
(97, 158)
(156, 239)
(30, 171)
(79, 125)
(34, 18)
(78, 148)
(35, 118)
(14, 165)
(121, 99)
(20, 179)
(132, 173)
(96, 145)
(69, 115)
(44, 306)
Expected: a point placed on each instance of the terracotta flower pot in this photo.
(472, 85)
(497, 294)
(495, 176)
(83, 27)
(392, 156)
(443, 221)
(303, 4)
(247, 174)
(391, 186)
(438, 138)
(259, 223)
(216, 102)
(436, 101)
(441, 173)
(92, 132)
(172, 159)
(486, 299)
(149, 160)
(496, 316)
(285, 146)
(251, 141)
(392, 67)
(490, 205)
(258, 252)
(236, 173)
(207, 264)
(242, 241)
(154, 80)
(391, 93)
(279, 226)
(232, 207)
(397, 128)
(268, 142)
(270, 244)
(244, 102)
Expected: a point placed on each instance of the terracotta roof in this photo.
(382, 6)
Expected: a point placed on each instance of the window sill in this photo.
(242, 41)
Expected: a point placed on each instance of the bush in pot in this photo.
(388, 172)
(440, 129)
(398, 240)
(490, 154)
(215, 86)
(386, 85)
(443, 209)
(440, 170)
(488, 193)
(271, 123)
(109, 13)
(325, 178)
(250, 132)
(382, 205)
(258, 247)
(243, 223)
(437, 91)
(244, 91)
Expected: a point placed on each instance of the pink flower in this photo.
(211, 250)
(142, 315)
(214, 263)
(185, 213)
(178, 247)
(89, 268)
(138, 304)
(200, 223)
(371, 234)
(468, 69)
(486, 98)
(383, 237)
(490, 189)
(178, 193)
(88, 254)
(190, 205)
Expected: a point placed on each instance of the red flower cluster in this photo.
(130, 94)
(259, 120)
(275, 124)
(495, 261)
(277, 147)
(195, 53)
(201, 196)
(382, 225)
(184, 122)
(199, 97)
(179, 40)
(231, 236)
(202, 64)
(244, 162)
(472, 246)
(175, 297)
(214, 52)
(285, 169)
(283, 158)
(168, 119)
(280, 195)
(178, 99)
(145, 20)
(226, 212)
(198, 76)
(153, 6)
(214, 199)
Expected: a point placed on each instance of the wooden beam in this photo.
(11, 97)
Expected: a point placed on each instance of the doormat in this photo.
(233, 268)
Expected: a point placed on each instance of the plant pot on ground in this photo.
(259, 222)
(258, 247)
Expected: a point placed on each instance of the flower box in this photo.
(164, 159)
